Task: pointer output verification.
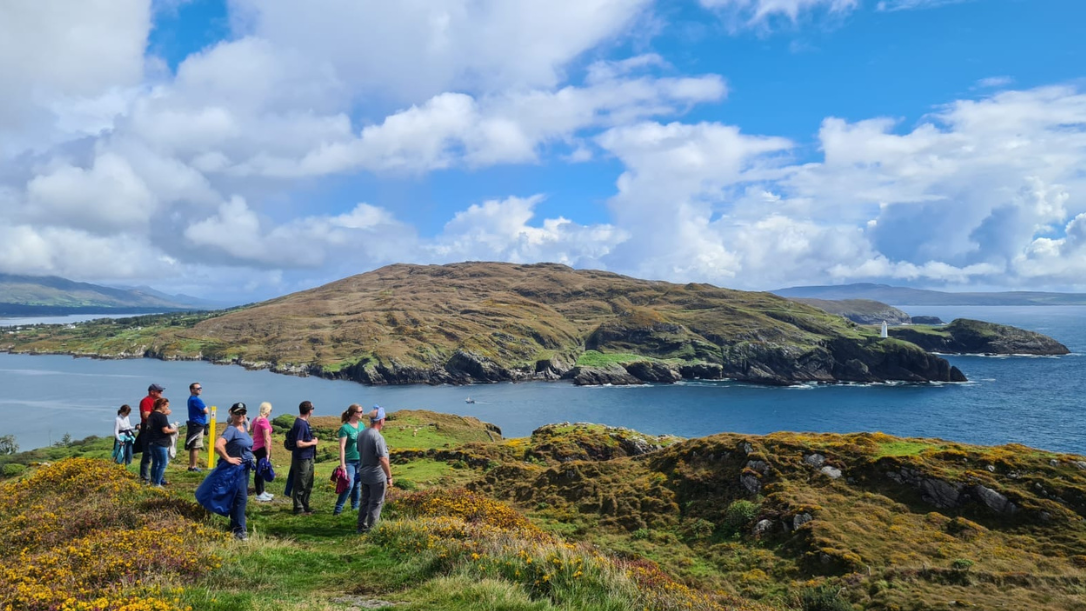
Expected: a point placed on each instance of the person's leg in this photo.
(356, 482)
(259, 481)
(289, 488)
(159, 456)
(362, 514)
(372, 510)
(307, 468)
(342, 498)
(296, 493)
(237, 508)
(127, 453)
(145, 458)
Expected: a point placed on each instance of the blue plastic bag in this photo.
(216, 492)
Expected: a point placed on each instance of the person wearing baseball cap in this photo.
(235, 447)
(374, 471)
(147, 405)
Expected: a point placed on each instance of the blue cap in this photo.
(377, 414)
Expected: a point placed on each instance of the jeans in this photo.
(259, 481)
(160, 457)
(237, 507)
(303, 482)
(354, 487)
(373, 498)
(122, 452)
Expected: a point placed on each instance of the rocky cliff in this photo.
(964, 336)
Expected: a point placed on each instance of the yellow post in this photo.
(210, 441)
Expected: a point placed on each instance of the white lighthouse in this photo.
(883, 334)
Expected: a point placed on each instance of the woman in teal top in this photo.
(348, 455)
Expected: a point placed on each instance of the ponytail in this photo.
(353, 408)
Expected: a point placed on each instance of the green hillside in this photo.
(577, 516)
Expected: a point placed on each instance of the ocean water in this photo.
(1036, 401)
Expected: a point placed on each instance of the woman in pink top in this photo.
(262, 445)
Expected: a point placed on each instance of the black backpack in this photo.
(289, 442)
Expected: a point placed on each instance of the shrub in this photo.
(823, 598)
(961, 564)
(13, 469)
(739, 514)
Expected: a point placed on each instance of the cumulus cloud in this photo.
(65, 67)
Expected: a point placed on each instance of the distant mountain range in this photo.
(897, 295)
(51, 295)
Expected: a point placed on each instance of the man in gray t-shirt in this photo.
(373, 471)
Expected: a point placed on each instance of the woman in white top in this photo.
(123, 436)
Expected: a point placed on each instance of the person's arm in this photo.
(117, 428)
(311, 443)
(343, 451)
(267, 438)
(168, 430)
(220, 449)
(387, 469)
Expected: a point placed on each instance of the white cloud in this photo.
(759, 12)
(907, 5)
(415, 49)
(63, 65)
(499, 230)
(995, 82)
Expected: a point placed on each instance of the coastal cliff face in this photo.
(492, 322)
(964, 336)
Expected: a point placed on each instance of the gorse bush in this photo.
(86, 536)
(739, 514)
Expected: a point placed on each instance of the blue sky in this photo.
(245, 149)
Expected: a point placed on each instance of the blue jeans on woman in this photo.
(237, 507)
(160, 457)
(354, 488)
(122, 452)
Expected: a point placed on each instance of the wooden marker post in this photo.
(211, 438)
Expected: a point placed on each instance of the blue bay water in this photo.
(1036, 401)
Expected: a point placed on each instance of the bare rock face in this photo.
(815, 460)
(751, 483)
(596, 376)
(651, 371)
(994, 500)
(831, 472)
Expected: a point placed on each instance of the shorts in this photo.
(194, 438)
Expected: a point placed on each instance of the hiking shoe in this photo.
(264, 497)
(241, 536)
(195, 470)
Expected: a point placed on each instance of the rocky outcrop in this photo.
(597, 376)
(964, 336)
(652, 371)
(860, 311)
(925, 320)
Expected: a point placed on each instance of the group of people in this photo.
(363, 453)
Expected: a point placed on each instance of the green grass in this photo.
(902, 447)
(593, 358)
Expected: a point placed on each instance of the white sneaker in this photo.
(264, 497)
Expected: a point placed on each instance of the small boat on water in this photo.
(469, 400)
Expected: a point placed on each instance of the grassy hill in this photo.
(466, 322)
(578, 516)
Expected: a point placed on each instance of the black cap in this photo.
(237, 408)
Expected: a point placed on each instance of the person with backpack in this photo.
(374, 471)
(303, 446)
(348, 456)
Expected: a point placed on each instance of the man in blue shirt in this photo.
(197, 425)
(301, 460)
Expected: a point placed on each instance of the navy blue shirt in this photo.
(302, 432)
